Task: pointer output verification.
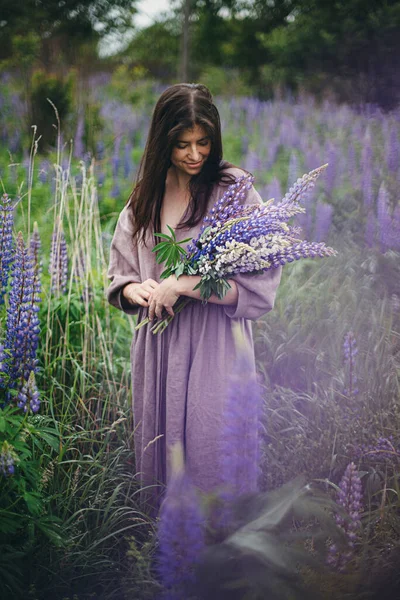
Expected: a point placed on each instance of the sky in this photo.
(148, 10)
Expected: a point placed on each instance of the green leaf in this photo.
(2, 423)
(51, 440)
(179, 270)
(160, 246)
(163, 235)
(172, 233)
(33, 502)
(166, 273)
(163, 255)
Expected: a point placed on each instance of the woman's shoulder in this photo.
(125, 218)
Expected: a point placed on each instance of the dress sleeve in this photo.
(124, 264)
(256, 293)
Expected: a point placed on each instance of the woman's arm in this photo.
(170, 289)
(186, 283)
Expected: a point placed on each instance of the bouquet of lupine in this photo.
(237, 238)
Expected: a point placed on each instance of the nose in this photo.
(194, 154)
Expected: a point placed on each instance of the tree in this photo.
(70, 22)
(351, 46)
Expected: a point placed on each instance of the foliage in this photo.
(365, 35)
(224, 81)
(155, 49)
(26, 520)
(60, 92)
(70, 19)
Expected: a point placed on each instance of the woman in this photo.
(179, 377)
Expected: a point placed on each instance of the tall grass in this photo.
(87, 477)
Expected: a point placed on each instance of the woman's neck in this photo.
(177, 179)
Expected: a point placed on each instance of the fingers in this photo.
(150, 285)
(139, 300)
(156, 309)
(170, 311)
(152, 309)
(140, 297)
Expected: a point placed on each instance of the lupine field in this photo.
(323, 521)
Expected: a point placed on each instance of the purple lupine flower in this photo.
(240, 437)
(7, 459)
(239, 238)
(370, 230)
(293, 169)
(349, 498)
(332, 157)
(28, 395)
(245, 144)
(115, 160)
(58, 266)
(392, 151)
(128, 163)
(383, 450)
(384, 220)
(116, 190)
(302, 186)
(100, 147)
(274, 189)
(22, 327)
(350, 352)
(366, 168)
(323, 220)
(180, 533)
(6, 249)
(4, 368)
(351, 160)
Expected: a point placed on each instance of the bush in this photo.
(59, 90)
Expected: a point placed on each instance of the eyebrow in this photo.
(187, 142)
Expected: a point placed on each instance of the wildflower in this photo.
(180, 532)
(8, 458)
(28, 396)
(22, 326)
(350, 352)
(383, 450)
(323, 220)
(6, 253)
(349, 498)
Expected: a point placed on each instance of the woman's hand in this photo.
(164, 296)
(139, 293)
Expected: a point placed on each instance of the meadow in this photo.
(328, 354)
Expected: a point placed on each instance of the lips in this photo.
(194, 164)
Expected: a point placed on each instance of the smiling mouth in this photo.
(194, 164)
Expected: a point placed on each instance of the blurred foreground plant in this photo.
(260, 554)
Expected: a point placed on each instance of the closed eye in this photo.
(183, 145)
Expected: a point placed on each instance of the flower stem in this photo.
(161, 325)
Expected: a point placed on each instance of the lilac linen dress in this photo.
(179, 378)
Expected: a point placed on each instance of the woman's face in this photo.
(191, 150)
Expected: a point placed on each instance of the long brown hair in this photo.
(180, 107)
